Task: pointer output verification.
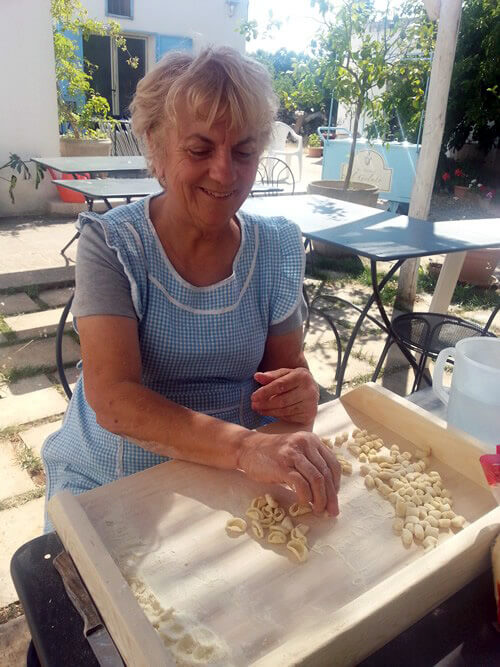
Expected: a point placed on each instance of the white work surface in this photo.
(360, 586)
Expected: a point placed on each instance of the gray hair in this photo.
(219, 82)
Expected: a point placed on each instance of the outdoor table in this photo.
(459, 631)
(93, 165)
(105, 189)
(379, 236)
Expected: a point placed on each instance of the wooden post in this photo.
(432, 136)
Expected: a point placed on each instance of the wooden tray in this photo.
(359, 589)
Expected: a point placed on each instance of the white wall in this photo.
(206, 22)
(28, 108)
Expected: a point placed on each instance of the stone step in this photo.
(13, 304)
(17, 526)
(46, 276)
(56, 297)
(14, 640)
(35, 437)
(37, 354)
(15, 480)
(17, 410)
(37, 325)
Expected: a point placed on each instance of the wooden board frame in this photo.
(374, 617)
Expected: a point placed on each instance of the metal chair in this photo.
(274, 176)
(59, 340)
(428, 334)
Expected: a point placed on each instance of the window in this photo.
(121, 8)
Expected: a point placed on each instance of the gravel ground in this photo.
(447, 207)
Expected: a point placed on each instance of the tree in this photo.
(474, 101)
(360, 51)
(70, 18)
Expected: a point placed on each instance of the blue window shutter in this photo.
(79, 100)
(166, 43)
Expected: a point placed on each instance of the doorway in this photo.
(113, 78)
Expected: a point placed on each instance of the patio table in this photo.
(459, 631)
(93, 165)
(379, 236)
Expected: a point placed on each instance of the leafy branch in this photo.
(17, 164)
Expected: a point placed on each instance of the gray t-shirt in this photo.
(102, 287)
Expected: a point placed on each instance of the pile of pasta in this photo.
(422, 504)
(265, 514)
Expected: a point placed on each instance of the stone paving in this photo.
(35, 283)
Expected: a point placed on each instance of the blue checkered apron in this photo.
(200, 346)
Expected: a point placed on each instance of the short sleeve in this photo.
(288, 272)
(292, 323)
(101, 285)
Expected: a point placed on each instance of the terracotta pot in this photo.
(479, 266)
(315, 151)
(358, 193)
(71, 147)
(462, 192)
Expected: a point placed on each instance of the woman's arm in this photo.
(112, 376)
(289, 391)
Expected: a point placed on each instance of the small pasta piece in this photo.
(287, 524)
(354, 449)
(458, 522)
(302, 529)
(432, 532)
(278, 514)
(401, 508)
(369, 482)
(257, 529)
(364, 469)
(346, 468)
(259, 502)
(267, 521)
(338, 441)
(254, 513)
(295, 535)
(397, 526)
(355, 432)
(429, 543)
(411, 511)
(444, 524)
(363, 458)
(271, 502)
(411, 519)
(299, 550)
(298, 510)
(279, 528)
(327, 442)
(236, 526)
(432, 521)
(418, 532)
(406, 537)
(276, 537)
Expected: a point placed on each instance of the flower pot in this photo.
(479, 266)
(315, 151)
(358, 193)
(71, 147)
(462, 192)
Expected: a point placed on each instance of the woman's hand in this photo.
(297, 459)
(290, 394)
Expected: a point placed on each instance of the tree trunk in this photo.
(357, 115)
(432, 136)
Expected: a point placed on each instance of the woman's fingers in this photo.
(334, 466)
(316, 481)
(301, 487)
(316, 458)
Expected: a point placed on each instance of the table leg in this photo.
(106, 201)
(377, 288)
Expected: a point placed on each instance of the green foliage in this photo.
(361, 51)
(314, 141)
(69, 16)
(19, 166)
(474, 101)
(469, 297)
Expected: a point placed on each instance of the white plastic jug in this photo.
(474, 397)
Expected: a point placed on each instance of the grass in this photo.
(15, 374)
(22, 498)
(28, 460)
(466, 296)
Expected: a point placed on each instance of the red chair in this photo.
(66, 195)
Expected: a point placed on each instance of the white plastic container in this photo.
(474, 397)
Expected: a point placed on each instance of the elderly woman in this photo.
(189, 311)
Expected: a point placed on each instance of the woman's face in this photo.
(208, 171)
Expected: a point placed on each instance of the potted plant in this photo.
(80, 119)
(360, 49)
(314, 146)
(461, 184)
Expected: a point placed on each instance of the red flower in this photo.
(445, 176)
(459, 172)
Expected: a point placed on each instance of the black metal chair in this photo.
(274, 177)
(429, 333)
(59, 356)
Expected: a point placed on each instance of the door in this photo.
(113, 78)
